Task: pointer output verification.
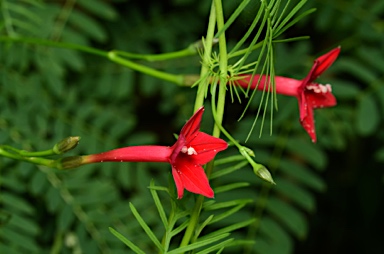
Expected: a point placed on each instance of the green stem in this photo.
(216, 10)
(35, 160)
(177, 79)
(244, 151)
(203, 86)
(223, 65)
(189, 51)
(167, 236)
(200, 96)
(112, 56)
(38, 153)
(28, 153)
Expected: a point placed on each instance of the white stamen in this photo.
(188, 150)
(319, 88)
(191, 151)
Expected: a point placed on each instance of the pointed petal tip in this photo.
(178, 182)
(322, 63)
(332, 52)
(335, 52)
(312, 134)
(210, 194)
(199, 111)
(180, 192)
(193, 124)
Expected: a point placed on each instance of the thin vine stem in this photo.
(28, 153)
(208, 42)
(189, 51)
(177, 79)
(217, 10)
(223, 66)
(4, 151)
(114, 56)
(199, 101)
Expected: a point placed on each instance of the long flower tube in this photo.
(192, 149)
(310, 95)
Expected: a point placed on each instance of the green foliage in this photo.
(176, 219)
(18, 17)
(43, 102)
(50, 93)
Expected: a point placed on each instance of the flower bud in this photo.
(66, 144)
(249, 151)
(264, 174)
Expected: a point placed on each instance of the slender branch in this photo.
(218, 11)
(188, 234)
(202, 88)
(177, 79)
(189, 51)
(28, 153)
(35, 160)
(223, 65)
(60, 147)
(114, 56)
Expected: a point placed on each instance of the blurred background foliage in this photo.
(328, 197)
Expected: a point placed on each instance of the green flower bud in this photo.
(66, 144)
(249, 151)
(264, 174)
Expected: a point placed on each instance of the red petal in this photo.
(303, 105)
(309, 101)
(192, 126)
(324, 62)
(245, 81)
(176, 148)
(206, 147)
(132, 154)
(286, 86)
(191, 177)
(321, 100)
(178, 182)
(320, 65)
(308, 122)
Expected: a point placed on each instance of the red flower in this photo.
(192, 149)
(309, 94)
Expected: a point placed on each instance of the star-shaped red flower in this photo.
(309, 94)
(192, 149)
